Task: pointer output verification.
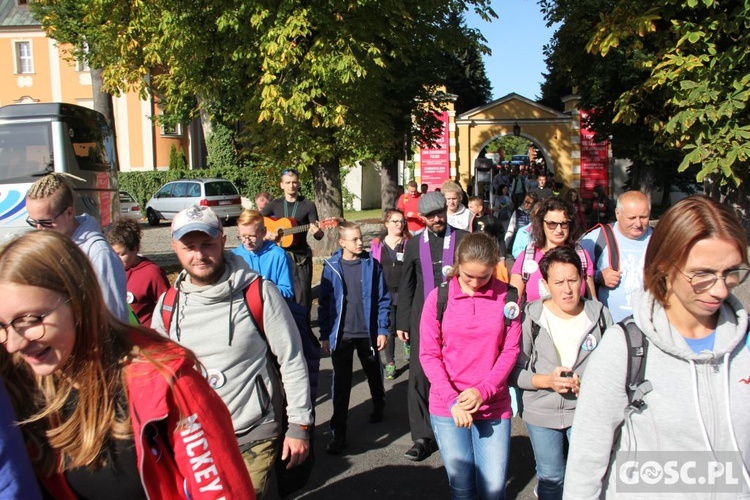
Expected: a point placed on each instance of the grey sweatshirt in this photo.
(107, 265)
(215, 323)
(699, 402)
(545, 407)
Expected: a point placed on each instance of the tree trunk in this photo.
(388, 181)
(206, 123)
(328, 200)
(102, 100)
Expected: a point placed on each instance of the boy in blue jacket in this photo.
(353, 316)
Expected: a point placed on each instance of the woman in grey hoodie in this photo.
(687, 433)
(559, 334)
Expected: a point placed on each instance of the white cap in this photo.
(196, 218)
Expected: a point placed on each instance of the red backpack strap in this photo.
(167, 307)
(254, 300)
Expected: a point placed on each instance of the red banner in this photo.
(594, 161)
(435, 161)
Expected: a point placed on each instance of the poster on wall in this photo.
(435, 160)
(594, 161)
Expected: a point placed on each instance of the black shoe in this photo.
(377, 413)
(421, 449)
(337, 444)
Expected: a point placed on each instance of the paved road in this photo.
(373, 466)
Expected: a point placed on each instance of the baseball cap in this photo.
(196, 218)
(431, 202)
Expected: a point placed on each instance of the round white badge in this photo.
(589, 343)
(446, 270)
(215, 378)
(511, 310)
(530, 266)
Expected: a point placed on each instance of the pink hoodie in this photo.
(474, 349)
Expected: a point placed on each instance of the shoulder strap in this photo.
(254, 301)
(527, 253)
(442, 301)
(511, 296)
(637, 387)
(584, 260)
(167, 307)
(614, 249)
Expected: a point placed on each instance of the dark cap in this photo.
(431, 202)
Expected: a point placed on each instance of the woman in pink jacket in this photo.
(467, 358)
(108, 410)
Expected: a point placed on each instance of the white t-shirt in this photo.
(566, 334)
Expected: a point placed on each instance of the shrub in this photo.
(177, 160)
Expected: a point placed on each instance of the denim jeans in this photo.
(476, 459)
(549, 454)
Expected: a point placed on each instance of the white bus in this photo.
(40, 138)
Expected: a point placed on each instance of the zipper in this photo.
(145, 449)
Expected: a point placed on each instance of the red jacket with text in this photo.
(199, 457)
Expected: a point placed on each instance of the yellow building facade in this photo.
(33, 68)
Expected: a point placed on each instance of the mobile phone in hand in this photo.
(566, 374)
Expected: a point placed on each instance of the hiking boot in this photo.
(407, 352)
(390, 371)
(337, 444)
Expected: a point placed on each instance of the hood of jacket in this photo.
(88, 227)
(651, 317)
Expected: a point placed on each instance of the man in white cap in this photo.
(427, 258)
(209, 311)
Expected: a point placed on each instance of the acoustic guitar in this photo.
(290, 232)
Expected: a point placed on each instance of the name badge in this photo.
(399, 256)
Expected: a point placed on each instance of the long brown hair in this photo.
(76, 411)
(552, 204)
(687, 222)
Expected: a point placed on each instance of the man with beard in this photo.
(427, 259)
(210, 313)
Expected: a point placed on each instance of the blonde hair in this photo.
(248, 217)
(54, 186)
(93, 375)
(346, 226)
(451, 187)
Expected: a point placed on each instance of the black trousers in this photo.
(418, 394)
(302, 275)
(343, 358)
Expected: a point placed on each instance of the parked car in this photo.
(129, 208)
(520, 160)
(219, 194)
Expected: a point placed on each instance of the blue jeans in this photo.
(549, 454)
(476, 459)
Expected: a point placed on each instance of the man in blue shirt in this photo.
(262, 255)
(632, 233)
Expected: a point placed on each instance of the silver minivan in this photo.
(219, 194)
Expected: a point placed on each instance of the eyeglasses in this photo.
(397, 222)
(290, 171)
(528, 202)
(704, 280)
(432, 215)
(25, 325)
(245, 238)
(552, 225)
(46, 223)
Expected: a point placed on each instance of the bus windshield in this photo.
(25, 150)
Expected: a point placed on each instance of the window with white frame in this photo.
(24, 61)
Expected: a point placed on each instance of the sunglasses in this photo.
(290, 171)
(45, 223)
(552, 225)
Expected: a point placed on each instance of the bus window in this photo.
(25, 150)
(89, 146)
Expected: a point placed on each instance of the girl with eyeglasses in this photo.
(388, 249)
(695, 397)
(552, 225)
(108, 410)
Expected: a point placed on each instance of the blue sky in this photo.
(516, 39)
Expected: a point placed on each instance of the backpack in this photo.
(511, 297)
(606, 240)
(529, 254)
(637, 386)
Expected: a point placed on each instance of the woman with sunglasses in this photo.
(696, 391)
(108, 410)
(388, 249)
(552, 225)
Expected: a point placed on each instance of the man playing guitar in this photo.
(294, 206)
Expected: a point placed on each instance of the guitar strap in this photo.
(294, 209)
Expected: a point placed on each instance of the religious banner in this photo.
(435, 161)
(594, 161)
